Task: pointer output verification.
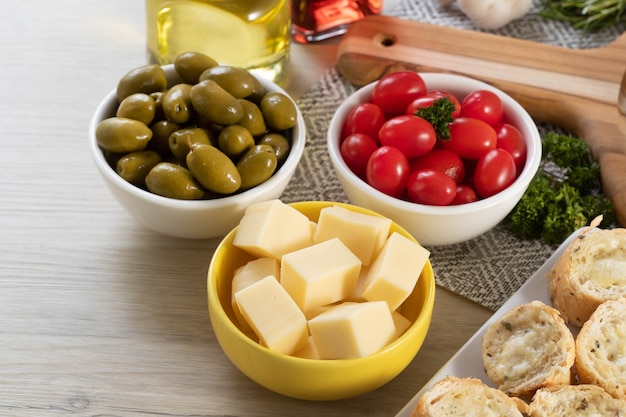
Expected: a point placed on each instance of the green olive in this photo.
(157, 96)
(252, 118)
(181, 140)
(237, 81)
(190, 65)
(213, 169)
(122, 135)
(177, 106)
(161, 132)
(215, 104)
(278, 110)
(145, 79)
(256, 166)
(279, 143)
(134, 166)
(173, 181)
(138, 106)
(234, 141)
(258, 93)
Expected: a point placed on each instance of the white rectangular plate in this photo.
(467, 362)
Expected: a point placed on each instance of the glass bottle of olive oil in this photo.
(253, 34)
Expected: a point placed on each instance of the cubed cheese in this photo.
(401, 322)
(308, 352)
(309, 314)
(352, 330)
(357, 294)
(273, 315)
(273, 228)
(320, 274)
(395, 271)
(250, 273)
(363, 234)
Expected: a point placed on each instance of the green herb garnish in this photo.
(586, 15)
(439, 114)
(563, 196)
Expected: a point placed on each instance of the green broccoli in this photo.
(563, 196)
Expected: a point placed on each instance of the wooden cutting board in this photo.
(578, 89)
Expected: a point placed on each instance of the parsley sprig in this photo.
(439, 114)
(564, 194)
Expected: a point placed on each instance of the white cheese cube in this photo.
(273, 228)
(273, 315)
(320, 274)
(357, 294)
(309, 351)
(401, 322)
(362, 233)
(395, 271)
(309, 314)
(352, 330)
(250, 273)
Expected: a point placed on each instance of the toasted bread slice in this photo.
(528, 348)
(453, 396)
(601, 348)
(576, 400)
(590, 271)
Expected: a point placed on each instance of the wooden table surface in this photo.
(98, 315)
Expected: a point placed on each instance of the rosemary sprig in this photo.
(586, 15)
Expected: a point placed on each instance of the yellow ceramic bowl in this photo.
(312, 379)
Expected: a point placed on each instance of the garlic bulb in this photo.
(493, 14)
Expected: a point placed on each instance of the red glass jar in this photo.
(316, 20)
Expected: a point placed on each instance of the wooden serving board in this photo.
(578, 89)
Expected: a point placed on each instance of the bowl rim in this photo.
(107, 105)
(423, 317)
(523, 179)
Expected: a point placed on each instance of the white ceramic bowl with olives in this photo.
(186, 164)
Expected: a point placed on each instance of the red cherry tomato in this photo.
(483, 105)
(470, 138)
(510, 139)
(366, 118)
(420, 103)
(464, 194)
(429, 99)
(495, 171)
(388, 171)
(412, 135)
(394, 91)
(443, 160)
(356, 150)
(431, 187)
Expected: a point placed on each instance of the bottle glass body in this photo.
(316, 20)
(252, 34)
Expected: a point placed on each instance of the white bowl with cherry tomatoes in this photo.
(445, 156)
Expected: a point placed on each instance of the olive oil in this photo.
(252, 34)
(316, 20)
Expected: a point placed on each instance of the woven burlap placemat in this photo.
(491, 267)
